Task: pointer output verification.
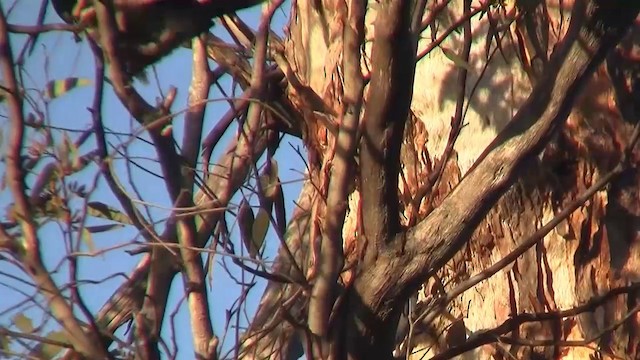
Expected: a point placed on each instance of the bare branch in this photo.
(88, 343)
(159, 279)
(386, 112)
(39, 29)
(39, 339)
(106, 165)
(204, 341)
(456, 121)
(194, 118)
(227, 176)
(269, 336)
(445, 34)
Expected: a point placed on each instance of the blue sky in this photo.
(58, 56)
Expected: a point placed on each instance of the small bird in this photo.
(150, 29)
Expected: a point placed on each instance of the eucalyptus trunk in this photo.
(478, 85)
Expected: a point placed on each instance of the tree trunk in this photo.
(589, 254)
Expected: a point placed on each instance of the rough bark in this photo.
(586, 256)
(460, 219)
(459, 225)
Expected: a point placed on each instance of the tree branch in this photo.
(106, 165)
(331, 259)
(385, 115)
(596, 27)
(538, 235)
(204, 341)
(157, 286)
(227, 176)
(259, 343)
(387, 109)
(493, 335)
(86, 343)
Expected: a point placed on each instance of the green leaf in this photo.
(269, 179)
(103, 228)
(23, 323)
(246, 220)
(104, 211)
(279, 209)
(88, 239)
(274, 170)
(49, 351)
(260, 227)
(5, 341)
(57, 88)
(68, 153)
(167, 130)
(457, 60)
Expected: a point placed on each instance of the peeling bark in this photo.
(452, 216)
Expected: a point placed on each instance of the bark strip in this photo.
(331, 260)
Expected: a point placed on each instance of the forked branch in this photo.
(596, 27)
